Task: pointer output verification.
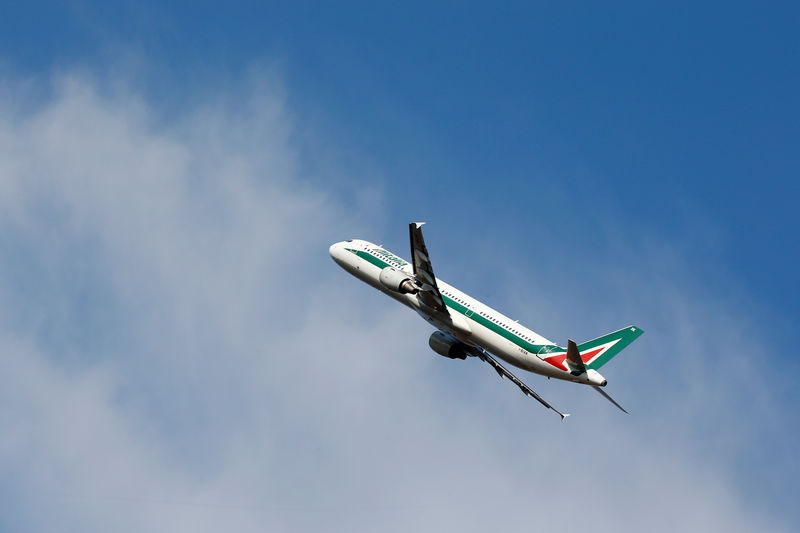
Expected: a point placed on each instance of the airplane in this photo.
(466, 327)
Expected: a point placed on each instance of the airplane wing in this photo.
(423, 270)
(504, 373)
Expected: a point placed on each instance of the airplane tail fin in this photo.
(597, 352)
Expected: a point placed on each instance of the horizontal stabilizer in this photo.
(609, 398)
(574, 357)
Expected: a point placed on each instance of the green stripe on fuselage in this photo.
(369, 257)
(485, 322)
(475, 316)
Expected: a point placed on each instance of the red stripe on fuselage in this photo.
(558, 361)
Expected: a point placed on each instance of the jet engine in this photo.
(397, 280)
(445, 345)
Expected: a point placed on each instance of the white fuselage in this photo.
(471, 321)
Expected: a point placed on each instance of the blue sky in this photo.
(668, 113)
(580, 167)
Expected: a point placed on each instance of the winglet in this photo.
(563, 415)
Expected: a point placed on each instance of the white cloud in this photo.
(179, 352)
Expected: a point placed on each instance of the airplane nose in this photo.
(337, 252)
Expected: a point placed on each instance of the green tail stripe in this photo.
(625, 336)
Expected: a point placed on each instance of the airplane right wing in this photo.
(483, 355)
(423, 270)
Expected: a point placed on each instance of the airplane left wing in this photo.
(483, 355)
(423, 270)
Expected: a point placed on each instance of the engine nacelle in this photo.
(445, 345)
(397, 280)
